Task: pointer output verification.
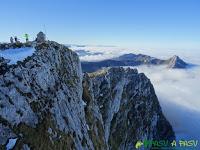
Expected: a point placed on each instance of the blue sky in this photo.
(167, 24)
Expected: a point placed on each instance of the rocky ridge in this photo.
(133, 60)
(176, 62)
(47, 103)
(129, 107)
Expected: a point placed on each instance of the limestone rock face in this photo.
(46, 103)
(41, 101)
(129, 107)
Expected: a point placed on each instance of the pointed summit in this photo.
(176, 62)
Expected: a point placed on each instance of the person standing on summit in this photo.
(11, 40)
(16, 39)
(26, 37)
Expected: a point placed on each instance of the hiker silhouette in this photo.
(11, 40)
(26, 37)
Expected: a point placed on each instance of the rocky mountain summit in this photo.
(176, 62)
(133, 60)
(47, 103)
(128, 105)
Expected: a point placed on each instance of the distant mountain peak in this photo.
(131, 59)
(126, 56)
(176, 62)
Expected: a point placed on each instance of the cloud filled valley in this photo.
(178, 93)
(177, 89)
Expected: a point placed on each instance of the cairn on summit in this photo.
(41, 37)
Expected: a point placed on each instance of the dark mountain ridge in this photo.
(133, 60)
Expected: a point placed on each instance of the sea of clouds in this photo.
(178, 90)
(178, 93)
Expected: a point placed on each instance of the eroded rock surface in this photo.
(129, 107)
(46, 104)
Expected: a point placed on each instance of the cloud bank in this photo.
(178, 90)
(178, 93)
(107, 52)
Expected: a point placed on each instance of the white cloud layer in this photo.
(178, 90)
(178, 93)
(113, 51)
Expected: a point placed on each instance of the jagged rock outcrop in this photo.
(3, 65)
(129, 107)
(46, 104)
(41, 101)
(176, 62)
(4, 46)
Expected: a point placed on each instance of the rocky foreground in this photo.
(46, 103)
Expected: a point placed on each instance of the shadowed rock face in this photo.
(133, 60)
(4, 46)
(3, 65)
(128, 105)
(46, 104)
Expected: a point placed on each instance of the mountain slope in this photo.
(46, 104)
(176, 62)
(41, 99)
(129, 107)
(133, 60)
